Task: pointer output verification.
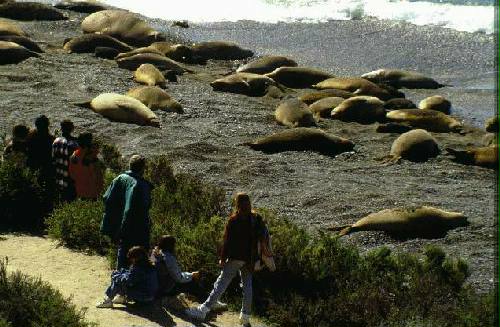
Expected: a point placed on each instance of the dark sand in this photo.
(314, 190)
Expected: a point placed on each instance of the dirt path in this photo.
(84, 278)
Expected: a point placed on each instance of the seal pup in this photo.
(482, 156)
(436, 102)
(243, 83)
(13, 53)
(266, 64)
(294, 113)
(155, 98)
(298, 77)
(431, 120)
(149, 75)
(416, 145)
(402, 78)
(360, 109)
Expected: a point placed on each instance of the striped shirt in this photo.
(62, 149)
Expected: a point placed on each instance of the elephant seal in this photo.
(149, 75)
(266, 64)
(416, 145)
(298, 77)
(88, 42)
(360, 109)
(105, 52)
(220, 50)
(356, 85)
(10, 28)
(302, 139)
(122, 108)
(243, 83)
(30, 11)
(161, 62)
(155, 98)
(22, 40)
(392, 128)
(431, 120)
(294, 113)
(80, 6)
(13, 53)
(399, 103)
(402, 78)
(403, 222)
(135, 51)
(492, 125)
(123, 25)
(436, 102)
(323, 107)
(311, 97)
(483, 156)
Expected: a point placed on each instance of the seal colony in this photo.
(189, 67)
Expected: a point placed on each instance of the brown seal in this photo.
(294, 113)
(436, 102)
(483, 156)
(360, 109)
(243, 83)
(149, 75)
(30, 11)
(356, 85)
(323, 107)
(402, 78)
(266, 64)
(88, 42)
(13, 53)
(416, 145)
(155, 98)
(431, 120)
(298, 77)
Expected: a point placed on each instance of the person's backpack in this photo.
(265, 252)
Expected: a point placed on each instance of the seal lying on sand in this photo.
(135, 51)
(266, 64)
(159, 61)
(80, 6)
(155, 98)
(416, 145)
(484, 156)
(302, 139)
(323, 107)
(399, 103)
(436, 102)
(88, 42)
(431, 120)
(360, 109)
(13, 53)
(310, 97)
(356, 85)
(122, 108)
(401, 78)
(122, 25)
(30, 11)
(420, 221)
(220, 50)
(243, 83)
(298, 77)
(294, 113)
(149, 75)
(21, 40)
(10, 28)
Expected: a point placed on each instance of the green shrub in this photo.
(30, 302)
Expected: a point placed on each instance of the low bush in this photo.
(29, 302)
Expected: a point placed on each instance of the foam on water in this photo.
(458, 17)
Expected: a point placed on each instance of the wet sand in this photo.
(314, 190)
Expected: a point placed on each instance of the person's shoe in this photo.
(120, 299)
(219, 306)
(105, 303)
(245, 320)
(197, 313)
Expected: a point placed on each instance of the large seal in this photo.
(88, 42)
(416, 145)
(401, 78)
(122, 25)
(492, 125)
(298, 77)
(220, 50)
(436, 102)
(356, 85)
(431, 120)
(21, 40)
(302, 139)
(122, 108)
(80, 6)
(149, 75)
(155, 98)
(404, 222)
(10, 28)
(161, 62)
(360, 109)
(266, 64)
(294, 113)
(323, 107)
(311, 97)
(483, 156)
(30, 11)
(13, 53)
(243, 83)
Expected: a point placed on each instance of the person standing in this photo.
(62, 148)
(126, 210)
(239, 254)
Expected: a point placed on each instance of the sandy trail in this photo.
(84, 278)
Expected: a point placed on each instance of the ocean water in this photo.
(462, 15)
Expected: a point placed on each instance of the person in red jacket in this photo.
(85, 169)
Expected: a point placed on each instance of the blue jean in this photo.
(229, 271)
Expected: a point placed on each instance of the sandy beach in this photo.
(314, 190)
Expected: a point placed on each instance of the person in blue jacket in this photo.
(126, 214)
(138, 283)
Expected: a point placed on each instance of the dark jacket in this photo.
(139, 283)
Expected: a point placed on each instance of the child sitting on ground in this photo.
(139, 283)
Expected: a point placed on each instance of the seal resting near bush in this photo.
(266, 64)
(360, 109)
(87, 43)
(155, 98)
(149, 75)
(356, 85)
(402, 78)
(13, 53)
(302, 139)
(483, 156)
(416, 145)
(30, 11)
(403, 222)
(220, 50)
(431, 120)
(298, 77)
(436, 102)
(122, 108)
(243, 83)
(294, 113)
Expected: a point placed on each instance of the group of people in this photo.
(66, 165)
(142, 277)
